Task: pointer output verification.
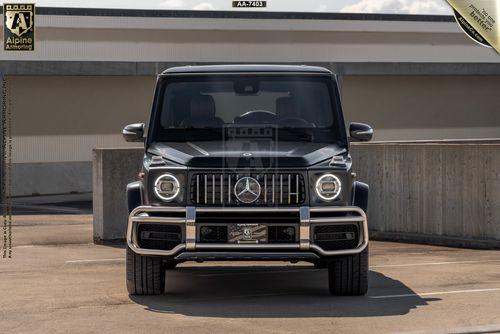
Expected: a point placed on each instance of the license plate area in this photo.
(247, 233)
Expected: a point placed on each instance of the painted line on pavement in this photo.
(483, 329)
(433, 293)
(431, 263)
(94, 260)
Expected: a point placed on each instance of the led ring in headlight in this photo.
(166, 187)
(328, 187)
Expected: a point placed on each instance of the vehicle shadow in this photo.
(270, 292)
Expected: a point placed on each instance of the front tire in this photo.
(348, 275)
(145, 274)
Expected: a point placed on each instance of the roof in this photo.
(216, 14)
(246, 68)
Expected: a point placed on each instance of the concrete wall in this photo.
(424, 107)
(441, 193)
(31, 179)
(112, 170)
(58, 120)
(229, 39)
(446, 193)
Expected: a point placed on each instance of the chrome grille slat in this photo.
(209, 189)
(229, 189)
(221, 189)
(206, 190)
(273, 189)
(281, 188)
(289, 189)
(265, 188)
(295, 194)
(297, 189)
(197, 189)
(213, 188)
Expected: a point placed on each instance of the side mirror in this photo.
(134, 132)
(360, 132)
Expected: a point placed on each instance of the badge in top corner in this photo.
(19, 27)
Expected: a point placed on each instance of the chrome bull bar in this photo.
(187, 216)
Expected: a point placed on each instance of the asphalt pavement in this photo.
(59, 282)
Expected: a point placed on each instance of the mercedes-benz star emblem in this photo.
(247, 189)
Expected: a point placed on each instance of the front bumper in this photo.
(190, 249)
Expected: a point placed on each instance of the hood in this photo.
(245, 153)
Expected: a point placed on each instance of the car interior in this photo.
(201, 105)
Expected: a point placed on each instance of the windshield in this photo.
(206, 108)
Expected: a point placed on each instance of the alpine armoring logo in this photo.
(19, 27)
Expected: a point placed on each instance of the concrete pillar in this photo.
(112, 170)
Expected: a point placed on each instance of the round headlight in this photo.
(328, 187)
(166, 187)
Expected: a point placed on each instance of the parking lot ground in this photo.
(59, 282)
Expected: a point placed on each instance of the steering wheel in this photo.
(295, 121)
(256, 116)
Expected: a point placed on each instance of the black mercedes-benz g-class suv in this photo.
(247, 162)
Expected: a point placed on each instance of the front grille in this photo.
(158, 236)
(335, 237)
(276, 189)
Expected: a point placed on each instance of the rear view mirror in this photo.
(134, 132)
(360, 132)
(246, 87)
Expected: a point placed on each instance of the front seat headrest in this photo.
(287, 107)
(202, 107)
